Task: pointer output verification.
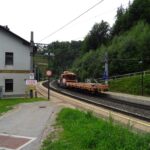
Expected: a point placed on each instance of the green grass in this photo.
(8, 104)
(83, 131)
(40, 59)
(42, 63)
(131, 85)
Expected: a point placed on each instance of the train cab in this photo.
(66, 77)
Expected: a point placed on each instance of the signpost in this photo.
(31, 76)
(49, 74)
(31, 84)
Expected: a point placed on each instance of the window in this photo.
(8, 85)
(9, 58)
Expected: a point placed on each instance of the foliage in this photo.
(90, 65)
(65, 53)
(125, 19)
(127, 43)
(41, 65)
(131, 85)
(83, 131)
(125, 52)
(128, 46)
(99, 35)
(128, 49)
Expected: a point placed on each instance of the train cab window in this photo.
(70, 77)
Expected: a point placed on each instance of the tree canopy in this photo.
(99, 35)
(127, 43)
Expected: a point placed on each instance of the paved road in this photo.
(30, 120)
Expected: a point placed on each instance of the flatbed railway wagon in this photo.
(69, 80)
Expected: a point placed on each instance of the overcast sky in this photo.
(46, 16)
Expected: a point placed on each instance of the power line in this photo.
(72, 20)
(106, 12)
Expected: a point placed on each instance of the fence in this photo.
(99, 80)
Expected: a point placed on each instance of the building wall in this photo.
(19, 86)
(22, 61)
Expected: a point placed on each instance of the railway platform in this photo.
(128, 97)
(101, 112)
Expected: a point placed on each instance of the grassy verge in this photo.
(41, 63)
(83, 131)
(131, 85)
(8, 104)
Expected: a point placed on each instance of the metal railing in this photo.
(118, 76)
(129, 75)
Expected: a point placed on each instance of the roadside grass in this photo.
(41, 62)
(8, 104)
(83, 131)
(131, 85)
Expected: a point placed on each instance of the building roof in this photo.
(7, 30)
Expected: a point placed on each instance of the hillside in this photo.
(125, 52)
(131, 85)
(126, 42)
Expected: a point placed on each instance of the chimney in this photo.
(32, 38)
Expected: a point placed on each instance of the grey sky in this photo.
(46, 16)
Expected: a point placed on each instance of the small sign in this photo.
(49, 73)
(105, 76)
(31, 82)
(31, 76)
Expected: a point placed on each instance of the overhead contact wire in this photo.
(72, 20)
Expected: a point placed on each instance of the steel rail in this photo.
(119, 110)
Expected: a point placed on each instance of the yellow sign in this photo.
(31, 87)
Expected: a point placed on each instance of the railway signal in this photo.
(49, 74)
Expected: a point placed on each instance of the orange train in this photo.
(69, 80)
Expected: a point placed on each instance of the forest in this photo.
(127, 44)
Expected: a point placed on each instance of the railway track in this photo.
(140, 111)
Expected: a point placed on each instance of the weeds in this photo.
(83, 131)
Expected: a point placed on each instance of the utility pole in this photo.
(32, 47)
(49, 76)
(142, 82)
(32, 61)
(106, 68)
(142, 77)
(33, 52)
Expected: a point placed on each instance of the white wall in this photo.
(18, 80)
(22, 61)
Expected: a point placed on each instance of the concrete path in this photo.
(29, 120)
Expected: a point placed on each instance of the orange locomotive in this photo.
(69, 79)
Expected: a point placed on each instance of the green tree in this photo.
(125, 19)
(65, 53)
(99, 35)
(117, 28)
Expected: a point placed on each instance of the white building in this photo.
(15, 62)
